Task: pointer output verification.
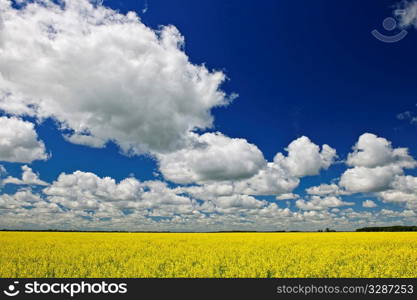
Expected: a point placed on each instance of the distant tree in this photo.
(387, 228)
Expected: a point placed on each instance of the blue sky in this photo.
(300, 69)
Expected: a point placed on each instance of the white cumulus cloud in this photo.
(403, 190)
(19, 141)
(103, 75)
(325, 189)
(288, 196)
(375, 164)
(28, 178)
(306, 158)
(372, 151)
(283, 175)
(321, 203)
(365, 180)
(212, 156)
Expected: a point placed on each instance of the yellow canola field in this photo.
(29, 254)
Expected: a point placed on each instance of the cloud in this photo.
(19, 141)
(407, 12)
(3, 170)
(84, 192)
(83, 200)
(220, 165)
(18, 200)
(369, 204)
(371, 151)
(392, 213)
(86, 140)
(86, 199)
(288, 196)
(141, 92)
(208, 191)
(306, 158)
(407, 115)
(88, 188)
(403, 190)
(81, 191)
(104, 76)
(365, 180)
(375, 165)
(238, 201)
(240, 165)
(28, 178)
(283, 174)
(271, 180)
(145, 7)
(321, 203)
(212, 156)
(325, 189)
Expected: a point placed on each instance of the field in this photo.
(29, 254)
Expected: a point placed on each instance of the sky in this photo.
(207, 115)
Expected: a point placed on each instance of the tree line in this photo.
(387, 228)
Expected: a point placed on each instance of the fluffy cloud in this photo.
(87, 188)
(377, 168)
(82, 196)
(83, 200)
(306, 158)
(283, 174)
(375, 165)
(18, 200)
(85, 191)
(371, 151)
(103, 76)
(325, 189)
(212, 156)
(369, 204)
(141, 92)
(220, 165)
(208, 191)
(365, 180)
(392, 213)
(28, 178)
(271, 180)
(19, 141)
(224, 203)
(86, 140)
(321, 203)
(403, 190)
(85, 194)
(398, 196)
(288, 196)
(87, 200)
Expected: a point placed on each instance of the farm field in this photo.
(230, 255)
